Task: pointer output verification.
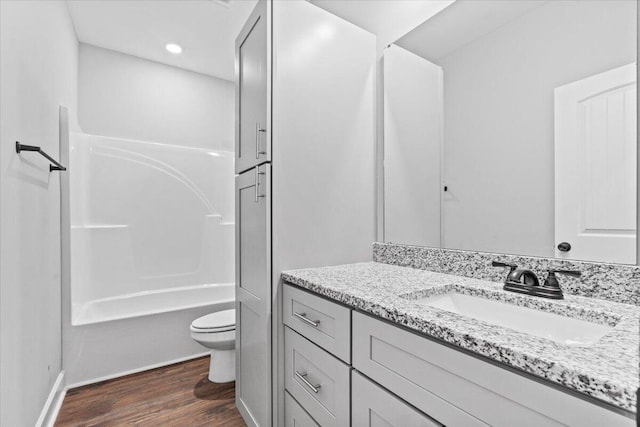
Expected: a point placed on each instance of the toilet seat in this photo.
(220, 321)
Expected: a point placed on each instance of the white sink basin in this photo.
(561, 329)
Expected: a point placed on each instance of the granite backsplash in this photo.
(614, 282)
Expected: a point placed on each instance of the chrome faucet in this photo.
(525, 281)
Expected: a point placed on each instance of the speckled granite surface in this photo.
(607, 370)
(614, 282)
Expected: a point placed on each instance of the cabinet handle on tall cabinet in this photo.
(258, 131)
(257, 183)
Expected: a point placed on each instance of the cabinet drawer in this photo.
(295, 415)
(458, 389)
(323, 322)
(373, 406)
(317, 380)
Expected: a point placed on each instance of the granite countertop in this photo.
(607, 370)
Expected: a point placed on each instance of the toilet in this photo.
(217, 331)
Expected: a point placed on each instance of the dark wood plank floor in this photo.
(176, 395)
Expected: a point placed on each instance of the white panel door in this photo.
(251, 91)
(595, 167)
(253, 295)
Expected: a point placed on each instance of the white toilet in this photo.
(217, 331)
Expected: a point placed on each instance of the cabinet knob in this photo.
(564, 247)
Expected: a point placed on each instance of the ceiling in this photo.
(387, 19)
(462, 23)
(206, 30)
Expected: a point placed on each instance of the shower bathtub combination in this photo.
(151, 248)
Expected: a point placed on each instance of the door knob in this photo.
(564, 247)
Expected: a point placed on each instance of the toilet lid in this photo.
(219, 321)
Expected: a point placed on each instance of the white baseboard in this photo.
(53, 403)
(135, 371)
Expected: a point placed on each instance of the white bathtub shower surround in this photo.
(151, 227)
(153, 302)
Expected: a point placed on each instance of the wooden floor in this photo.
(176, 395)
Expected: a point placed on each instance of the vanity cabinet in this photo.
(295, 415)
(322, 322)
(317, 380)
(401, 378)
(373, 406)
(459, 389)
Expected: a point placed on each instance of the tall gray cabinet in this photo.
(253, 295)
(253, 223)
(304, 164)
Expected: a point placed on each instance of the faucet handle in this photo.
(511, 267)
(573, 273)
(552, 281)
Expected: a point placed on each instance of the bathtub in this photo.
(152, 302)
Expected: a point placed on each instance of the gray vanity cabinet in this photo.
(317, 380)
(295, 415)
(253, 295)
(325, 323)
(458, 389)
(396, 377)
(318, 377)
(373, 406)
(251, 92)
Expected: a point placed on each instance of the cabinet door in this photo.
(373, 406)
(253, 295)
(251, 91)
(295, 415)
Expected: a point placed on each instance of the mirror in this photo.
(510, 127)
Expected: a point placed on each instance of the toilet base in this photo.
(222, 366)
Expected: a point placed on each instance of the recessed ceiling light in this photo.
(174, 48)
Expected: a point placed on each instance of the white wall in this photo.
(498, 157)
(38, 72)
(412, 140)
(123, 96)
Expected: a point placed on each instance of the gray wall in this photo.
(38, 64)
(498, 156)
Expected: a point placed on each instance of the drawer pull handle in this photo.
(303, 378)
(258, 131)
(304, 318)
